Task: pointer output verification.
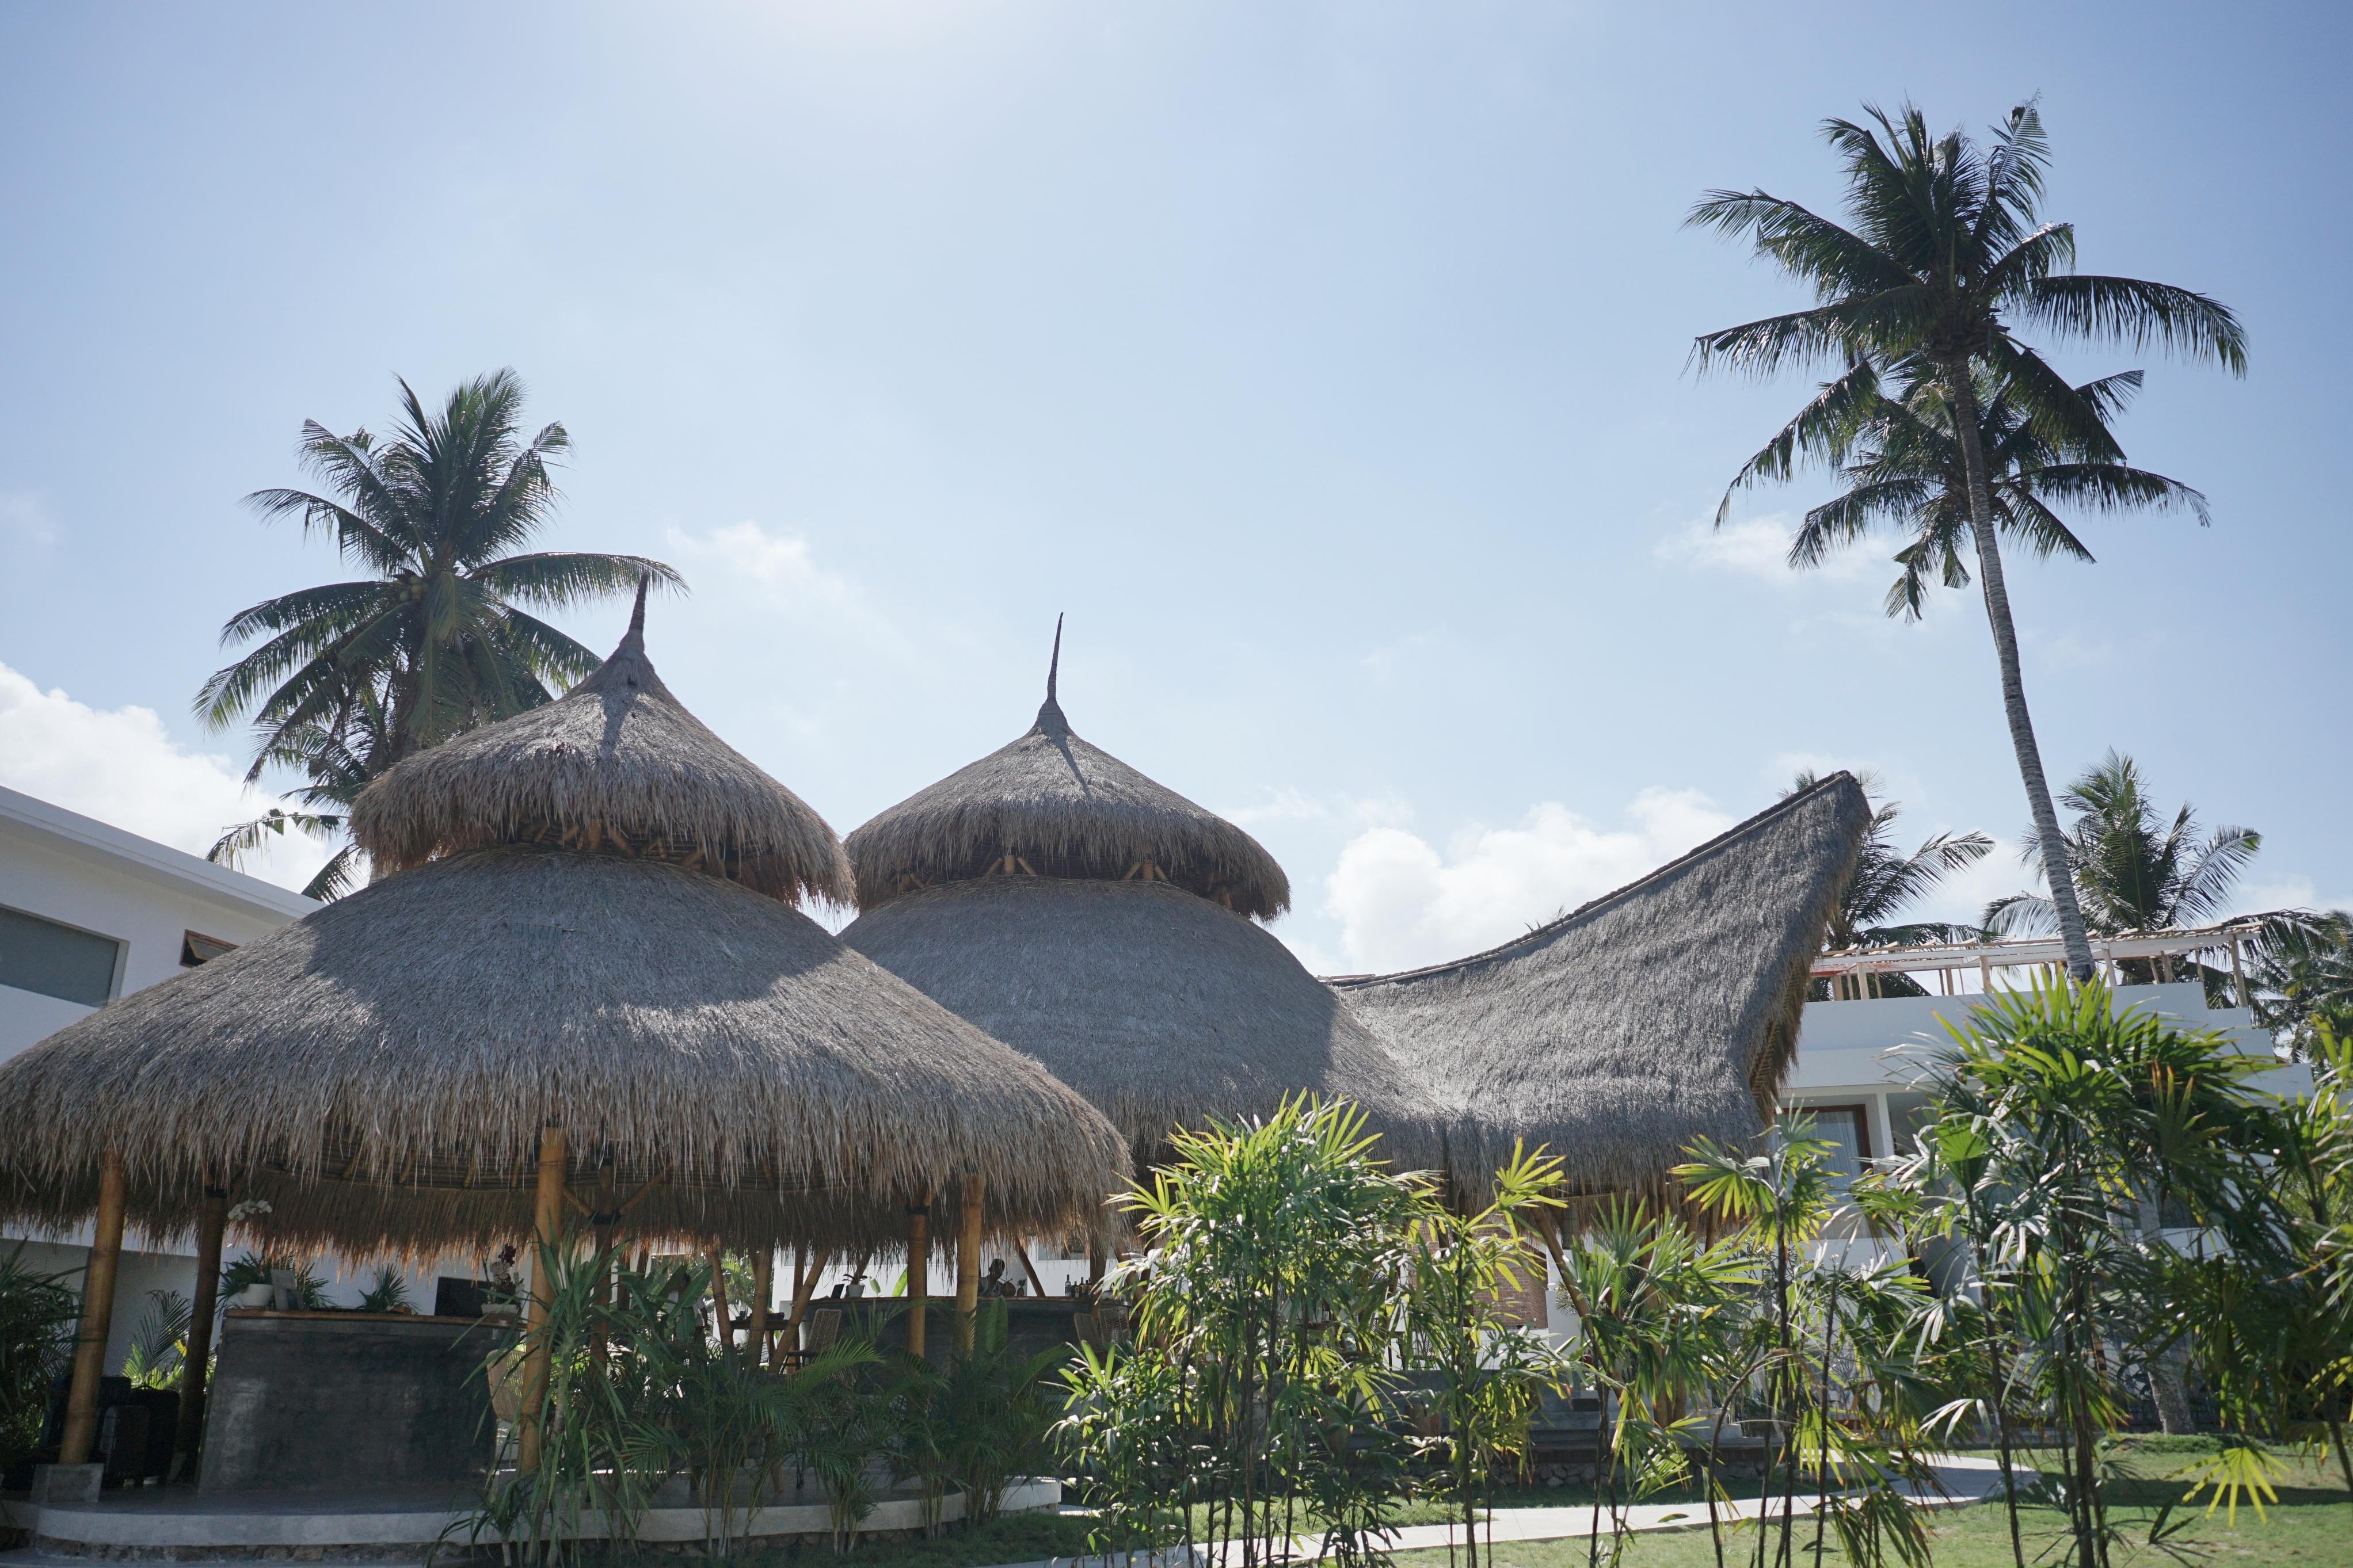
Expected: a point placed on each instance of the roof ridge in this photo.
(1596, 905)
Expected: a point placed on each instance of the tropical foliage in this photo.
(2139, 870)
(1944, 259)
(37, 1314)
(438, 636)
(1886, 882)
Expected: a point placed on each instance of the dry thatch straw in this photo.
(1053, 805)
(380, 1070)
(1160, 1007)
(617, 765)
(1618, 1033)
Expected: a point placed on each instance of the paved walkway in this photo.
(1962, 1480)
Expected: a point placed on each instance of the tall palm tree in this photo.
(352, 677)
(1946, 251)
(1886, 882)
(1894, 451)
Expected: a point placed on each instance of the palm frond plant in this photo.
(1780, 1199)
(159, 1342)
(1265, 1337)
(2302, 979)
(2093, 1118)
(1490, 1373)
(439, 635)
(37, 1314)
(1945, 257)
(1655, 1309)
(995, 1414)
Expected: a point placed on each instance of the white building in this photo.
(88, 913)
(1857, 1057)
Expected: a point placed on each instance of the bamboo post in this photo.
(968, 1265)
(96, 1315)
(812, 1268)
(720, 1312)
(547, 1230)
(764, 1286)
(2238, 972)
(919, 1266)
(211, 1220)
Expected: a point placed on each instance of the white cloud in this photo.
(2288, 892)
(1291, 804)
(26, 517)
(783, 573)
(1758, 547)
(1400, 902)
(120, 767)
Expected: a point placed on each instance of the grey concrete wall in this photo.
(350, 1402)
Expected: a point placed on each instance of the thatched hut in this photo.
(1103, 923)
(1662, 1012)
(583, 971)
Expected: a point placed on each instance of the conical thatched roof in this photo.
(1054, 806)
(1618, 1033)
(1160, 1007)
(379, 1072)
(580, 944)
(616, 765)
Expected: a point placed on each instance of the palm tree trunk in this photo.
(2055, 869)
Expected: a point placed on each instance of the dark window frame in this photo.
(121, 946)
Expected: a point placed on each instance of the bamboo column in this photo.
(722, 1315)
(764, 1287)
(547, 1228)
(96, 1315)
(211, 1220)
(967, 1264)
(812, 1266)
(919, 1266)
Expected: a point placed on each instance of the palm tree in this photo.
(1946, 249)
(2136, 870)
(438, 639)
(1902, 468)
(1886, 882)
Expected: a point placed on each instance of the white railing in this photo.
(1848, 972)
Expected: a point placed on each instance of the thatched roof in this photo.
(1160, 1007)
(1054, 806)
(380, 1071)
(1618, 1033)
(616, 765)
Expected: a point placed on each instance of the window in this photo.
(198, 948)
(1846, 1129)
(55, 960)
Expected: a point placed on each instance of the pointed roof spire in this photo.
(1049, 713)
(638, 610)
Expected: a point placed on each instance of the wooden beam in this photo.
(212, 1221)
(969, 1264)
(1022, 1252)
(547, 1232)
(97, 1314)
(918, 1267)
(812, 1268)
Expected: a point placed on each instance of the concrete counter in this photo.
(349, 1401)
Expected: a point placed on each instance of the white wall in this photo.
(83, 873)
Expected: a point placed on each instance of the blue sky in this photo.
(1326, 364)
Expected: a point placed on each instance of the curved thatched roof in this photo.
(1161, 1009)
(380, 1070)
(1054, 806)
(1618, 1033)
(616, 765)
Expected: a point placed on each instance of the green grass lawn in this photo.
(2312, 1524)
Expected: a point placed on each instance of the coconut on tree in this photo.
(1945, 259)
(438, 636)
